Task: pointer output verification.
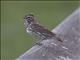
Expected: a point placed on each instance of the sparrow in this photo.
(34, 28)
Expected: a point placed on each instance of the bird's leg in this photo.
(38, 43)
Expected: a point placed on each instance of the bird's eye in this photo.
(27, 17)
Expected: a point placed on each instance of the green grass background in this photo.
(14, 39)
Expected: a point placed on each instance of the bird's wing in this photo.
(51, 49)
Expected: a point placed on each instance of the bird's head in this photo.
(29, 18)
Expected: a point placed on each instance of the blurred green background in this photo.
(14, 39)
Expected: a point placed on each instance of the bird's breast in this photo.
(28, 30)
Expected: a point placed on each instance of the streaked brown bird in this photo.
(34, 28)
